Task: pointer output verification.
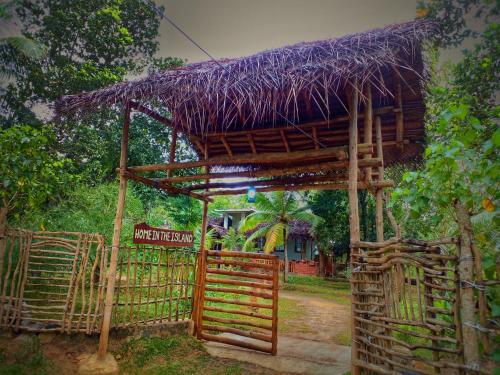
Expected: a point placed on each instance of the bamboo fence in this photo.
(406, 304)
(153, 285)
(56, 281)
(52, 281)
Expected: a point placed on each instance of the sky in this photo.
(235, 28)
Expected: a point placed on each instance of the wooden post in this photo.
(353, 210)
(171, 154)
(368, 127)
(201, 273)
(379, 197)
(467, 301)
(274, 334)
(108, 306)
(398, 108)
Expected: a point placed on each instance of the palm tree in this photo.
(272, 220)
(232, 240)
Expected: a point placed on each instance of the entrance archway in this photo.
(302, 117)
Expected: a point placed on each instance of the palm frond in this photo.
(261, 232)
(26, 46)
(255, 219)
(275, 235)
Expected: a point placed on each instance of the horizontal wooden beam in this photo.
(326, 186)
(316, 123)
(263, 158)
(272, 182)
(338, 165)
(165, 186)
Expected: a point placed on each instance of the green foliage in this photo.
(30, 173)
(462, 158)
(232, 240)
(88, 44)
(273, 216)
(451, 18)
(89, 209)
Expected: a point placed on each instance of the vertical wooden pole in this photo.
(379, 197)
(398, 108)
(201, 272)
(467, 300)
(353, 211)
(171, 154)
(108, 306)
(274, 343)
(368, 127)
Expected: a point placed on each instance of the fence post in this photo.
(467, 301)
(108, 306)
(353, 210)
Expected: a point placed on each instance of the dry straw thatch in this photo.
(256, 91)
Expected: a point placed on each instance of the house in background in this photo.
(302, 252)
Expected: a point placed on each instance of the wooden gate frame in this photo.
(52, 260)
(268, 266)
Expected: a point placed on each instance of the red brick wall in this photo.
(304, 267)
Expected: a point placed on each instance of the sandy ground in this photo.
(308, 346)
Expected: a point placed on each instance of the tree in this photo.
(89, 44)
(272, 218)
(233, 240)
(460, 179)
(30, 173)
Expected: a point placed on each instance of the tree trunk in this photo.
(466, 271)
(3, 220)
(285, 248)
(321, 263)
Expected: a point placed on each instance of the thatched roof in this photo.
(305, 82)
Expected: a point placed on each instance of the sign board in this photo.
(145, 234)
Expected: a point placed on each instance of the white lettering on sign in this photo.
(143, 233)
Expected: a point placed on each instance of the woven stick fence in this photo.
(153, 285)
(407, 316)
(56, 281)
(52, 281)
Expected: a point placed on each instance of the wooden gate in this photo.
(52, 281)
(406, 307)
(238, 300)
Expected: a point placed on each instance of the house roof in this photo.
(216, 103)
(298, 229)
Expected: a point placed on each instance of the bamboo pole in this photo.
(274, 344)
(398, 99)
(353, 209)
(108, 306)
(171, 156)
(379, 197)
(467, 301)
(368, 127)
(263, 158)
(320, 186)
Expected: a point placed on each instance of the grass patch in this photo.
(344, 337)
(289, 312)
(24, 359)
(338, 291)
(179, 355)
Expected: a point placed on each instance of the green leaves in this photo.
(29, 173)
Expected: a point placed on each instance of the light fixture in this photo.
(251, 193)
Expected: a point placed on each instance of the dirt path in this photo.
(320, 319)
(307, 343)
